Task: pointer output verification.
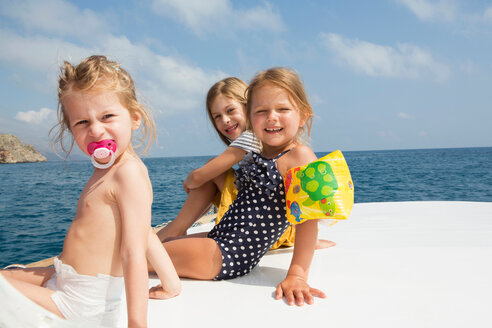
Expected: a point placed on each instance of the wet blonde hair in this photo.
(290, 81)
(230, 87)
(98, 74)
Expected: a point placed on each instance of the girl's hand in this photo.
(158, 293)
(295, 288)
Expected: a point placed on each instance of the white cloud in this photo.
(426, 10)
(488, 14)
(219, 15)
(259, 18)
(405, 116)
(196, 14)
(404, 61)
(170, 84)
(44, 115)
(56, 17)
(39, 53)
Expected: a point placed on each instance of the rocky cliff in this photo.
(12, 150)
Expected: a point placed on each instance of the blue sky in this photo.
(388, 74)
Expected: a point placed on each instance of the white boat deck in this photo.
(415, 264)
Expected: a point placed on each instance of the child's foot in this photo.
(323, 243)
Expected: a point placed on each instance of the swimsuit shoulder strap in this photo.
(282, 154)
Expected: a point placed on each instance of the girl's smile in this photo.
(228, 115)
(231, 129)
(275, 118)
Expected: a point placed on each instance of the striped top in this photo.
(247, 142)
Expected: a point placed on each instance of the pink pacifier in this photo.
(100, 150)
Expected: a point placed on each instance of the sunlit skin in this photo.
(275, 119)
(110, 233)
(228, 116)
(202, 184)
(94, 117)
(230, 119)
(97, 116)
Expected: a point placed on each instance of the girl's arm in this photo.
(163, 266)
(134, 197)
(294, 286)
(214, 167)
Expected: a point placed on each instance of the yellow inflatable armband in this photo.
(322, 189)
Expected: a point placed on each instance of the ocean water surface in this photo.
(38, 200)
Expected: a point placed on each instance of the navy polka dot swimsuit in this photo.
(255, 220)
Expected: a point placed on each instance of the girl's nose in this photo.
(96, 129)
(226, 119)
(272, 116)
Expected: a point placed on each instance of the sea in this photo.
(38, 200)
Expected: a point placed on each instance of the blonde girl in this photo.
(214, 182)
(280, 116)
(109, 241)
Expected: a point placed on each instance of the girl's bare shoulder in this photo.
(130, 169)
(298, 156)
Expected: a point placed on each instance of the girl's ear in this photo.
(303, 119)
(136, 120)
